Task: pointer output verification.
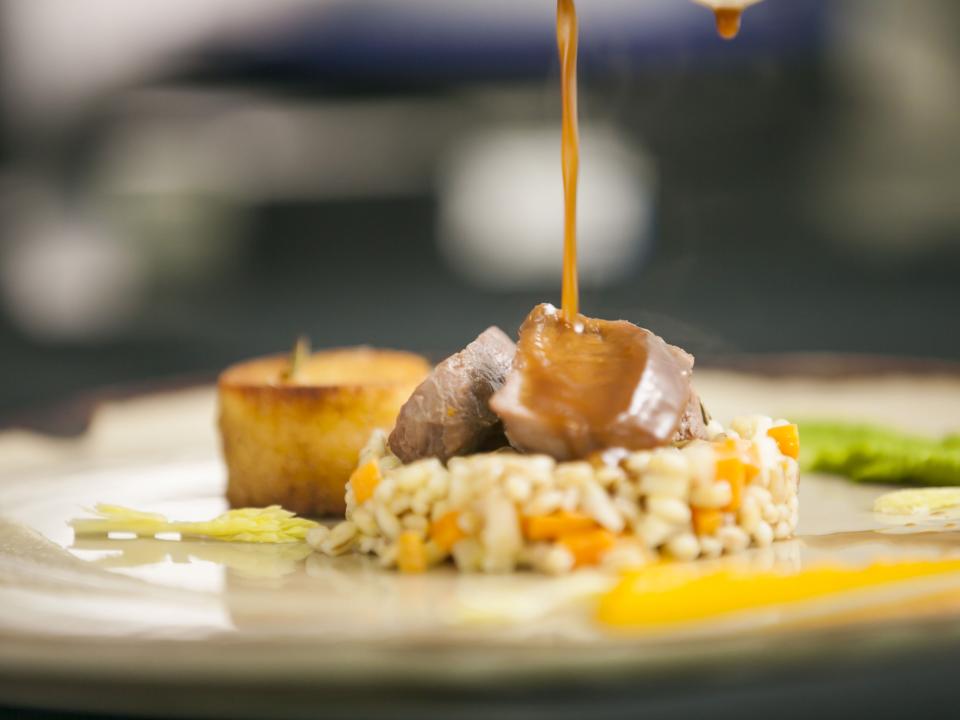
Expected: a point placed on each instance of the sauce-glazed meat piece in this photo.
(579, 388)
(449, 413)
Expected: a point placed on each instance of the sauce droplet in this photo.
(728, 21)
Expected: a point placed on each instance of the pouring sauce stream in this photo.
(570, 154)
(584, 384)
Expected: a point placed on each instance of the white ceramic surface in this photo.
(80, 618)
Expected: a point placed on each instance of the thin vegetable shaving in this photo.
(869, 453)
(917, 502)
(271, 524)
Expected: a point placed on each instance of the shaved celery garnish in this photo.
(914, 502)
(271, 524)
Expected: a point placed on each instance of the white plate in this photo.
(141, 625)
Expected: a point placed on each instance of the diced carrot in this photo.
(555, 525)
(733, 471)
(588, 546)
(445, 531)
(364, 481)
(727, 446)
(751, 460)
(411, 556)
(706, 521)
(788, 438)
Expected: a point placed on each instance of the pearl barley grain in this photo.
(483, 506)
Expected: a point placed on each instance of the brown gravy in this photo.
(590, 384)
(600, 384)
(570, 153)
(728, 26)
(728, 21)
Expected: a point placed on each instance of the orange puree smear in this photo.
(669, 594)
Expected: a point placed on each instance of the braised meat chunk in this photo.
(449, 412)
(579, 388)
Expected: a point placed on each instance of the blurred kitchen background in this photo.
(187, 183)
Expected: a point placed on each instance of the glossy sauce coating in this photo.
(601, 383)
